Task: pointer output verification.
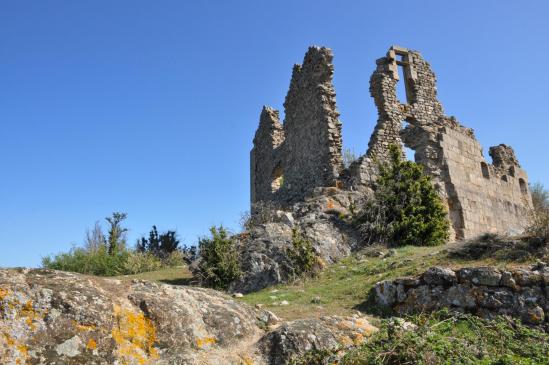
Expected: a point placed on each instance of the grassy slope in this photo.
(344, 286)
(174, 275)
(341, 287)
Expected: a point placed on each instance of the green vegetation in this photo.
(406, 209)
(159, 245)
(219, 264)
(109, 256)
(177, 275)
(97, 262)
(539, 217)
(448, 338)
(349, 156)
(301, 255)
(343, 288)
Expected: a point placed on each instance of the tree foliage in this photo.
(539, 216)
(219, 264)
(301, 254)
(159, 245)
(406, 209)
(117, 234)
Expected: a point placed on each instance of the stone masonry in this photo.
(484, 291)
(290, 160)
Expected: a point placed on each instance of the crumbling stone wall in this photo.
(480, 197)
(289, 161)
(484, 291)
(264, 157)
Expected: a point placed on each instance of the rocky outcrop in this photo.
(484, 291)
(51, 317)
(296, 338)
(319, 219)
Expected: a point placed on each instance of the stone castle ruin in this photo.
(290, 160)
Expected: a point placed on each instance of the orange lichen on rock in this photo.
(3, 293)
(91, 345)
(29, 313)
(13, 349)
(134, 335)
(346, 341)
(84, 327)
(205, 341)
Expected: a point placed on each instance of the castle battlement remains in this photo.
(290, 159)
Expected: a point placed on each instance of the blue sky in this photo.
(149, 107)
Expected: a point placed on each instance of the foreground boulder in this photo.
(51, 317)
(296, 338)
(484, 291)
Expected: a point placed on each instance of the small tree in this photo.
(117, 234)
(219, 264)
(95, 239)
(301, 254)
(406, 209)
(160, 245)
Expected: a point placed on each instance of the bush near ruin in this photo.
(218, 265)
(406, 209)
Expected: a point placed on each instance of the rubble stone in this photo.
(484, 291)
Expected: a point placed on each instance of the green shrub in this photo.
(444, 338)
(301, 254)
(175, 258)
(219, 264)
(96, 262)
(138, 262)
(405, 209)
(539, 216)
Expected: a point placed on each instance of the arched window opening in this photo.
(504, 178)
(277, 179)
(485, 171)
(523, 187)
(512, 171)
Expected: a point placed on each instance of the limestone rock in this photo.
(484, 291)
(297, 337)
(439, 276)
(50, 317)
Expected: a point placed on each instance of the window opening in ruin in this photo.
(523, 187)
(409, 153)
(485, 171)
(512, 171)
(277, 179)
(401, 84)
(504, 178)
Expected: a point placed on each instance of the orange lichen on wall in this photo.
(134, 335)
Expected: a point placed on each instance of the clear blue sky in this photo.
(150, 107)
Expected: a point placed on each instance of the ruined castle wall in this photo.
(290, 160)
(490, 199)
(480, 197)
(310, 154)
(265, 159)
